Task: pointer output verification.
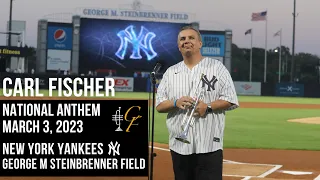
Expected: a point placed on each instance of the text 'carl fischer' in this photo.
(65, 87)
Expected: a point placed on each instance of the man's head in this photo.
(189, 41)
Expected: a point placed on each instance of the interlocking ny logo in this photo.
(140, 42)
(114, 148)
(210, 83)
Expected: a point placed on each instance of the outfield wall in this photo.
(141, 84)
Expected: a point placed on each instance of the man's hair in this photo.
(192, 28)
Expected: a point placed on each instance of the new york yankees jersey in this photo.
(206, 133)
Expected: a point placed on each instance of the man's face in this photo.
(189, 42)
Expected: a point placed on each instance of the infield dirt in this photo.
(239, 163)
(312, 120)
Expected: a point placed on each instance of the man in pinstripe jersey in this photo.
(202, 159)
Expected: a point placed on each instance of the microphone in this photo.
(156, 68)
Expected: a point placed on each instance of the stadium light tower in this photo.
(293, 41)
(9, 29)
(10, 23)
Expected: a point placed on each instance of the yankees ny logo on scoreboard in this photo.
(142, 41)
(118, 118)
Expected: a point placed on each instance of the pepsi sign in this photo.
(59, 37)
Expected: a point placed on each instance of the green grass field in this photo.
(268, 128)
(257, 128)
(261, 128)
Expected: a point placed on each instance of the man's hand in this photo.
(201, 109)
(184, 102)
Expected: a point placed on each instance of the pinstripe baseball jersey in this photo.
(206, 134)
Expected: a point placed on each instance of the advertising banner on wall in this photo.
(59, 37)
(58, 59)
(213, 44)
(124, 84)
(13, 51)
(248, 88)
(290, 89)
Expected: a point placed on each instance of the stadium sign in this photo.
(13, 51)
(136, 14)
